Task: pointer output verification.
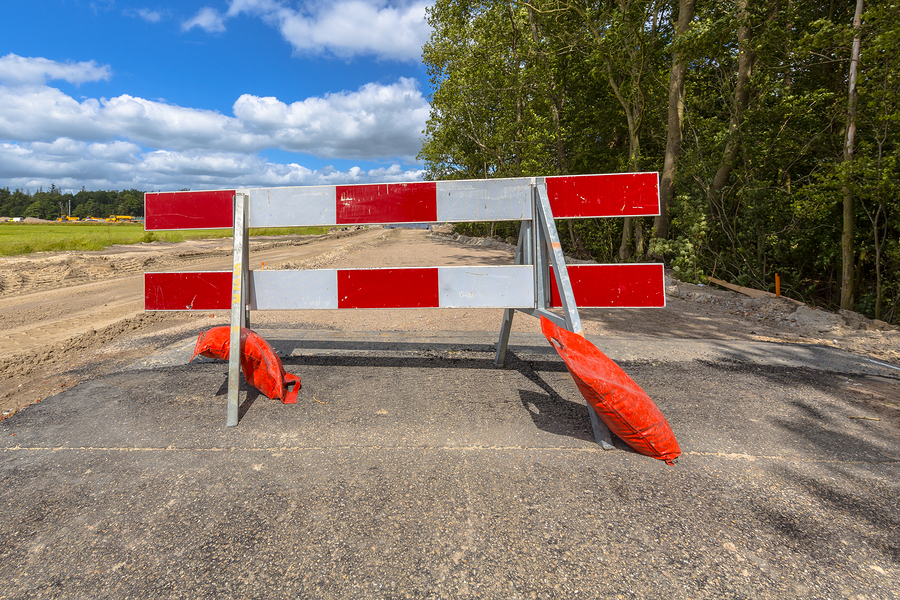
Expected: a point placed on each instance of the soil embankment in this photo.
(65, 316)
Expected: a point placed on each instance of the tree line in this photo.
(773, 124)
(53, 203)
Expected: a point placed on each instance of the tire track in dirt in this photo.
(54, 330)
(46, 300)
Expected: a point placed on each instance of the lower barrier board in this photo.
(599, 286)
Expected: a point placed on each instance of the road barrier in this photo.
(538, 281)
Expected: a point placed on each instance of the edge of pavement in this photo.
(324, 343)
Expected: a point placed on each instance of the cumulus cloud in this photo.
(358, 124)
(20, 70)
(71, 164)
(151, 16)
(127, 141)
(394, 31)
(208, 19)
(375, 122)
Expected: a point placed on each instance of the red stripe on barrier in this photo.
(187, 291)
(614, 195)
(189, 210)
(388, 288)
(386, 203)
(609, 286)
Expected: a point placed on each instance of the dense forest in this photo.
(773, 124)
(52, 203)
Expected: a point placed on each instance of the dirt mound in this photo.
(783, 319)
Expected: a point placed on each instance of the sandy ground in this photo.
(66, 317)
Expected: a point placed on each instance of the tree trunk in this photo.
(556, 95)
(625, 246)
(847, 231)
(746, 59)
(639, 238)
(676, 119)
(634, 159)
(879, 288)
(631, 98)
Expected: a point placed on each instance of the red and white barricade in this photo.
(538, 280)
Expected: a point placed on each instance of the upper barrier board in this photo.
(576, 196)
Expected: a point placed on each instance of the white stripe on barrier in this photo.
(292, 206)
(483, 200)
(486, 287)
(289, 290)
(458, 287)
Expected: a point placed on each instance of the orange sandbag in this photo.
(261, 366)
(620, 403)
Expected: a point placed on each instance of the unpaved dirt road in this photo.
(49, 298)
(67, 316)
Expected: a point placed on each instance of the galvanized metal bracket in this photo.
(240, 276)
(539, 245)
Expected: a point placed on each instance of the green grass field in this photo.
(25, 238)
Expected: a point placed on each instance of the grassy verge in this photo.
(25, 238)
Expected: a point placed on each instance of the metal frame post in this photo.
(544, 218)
(524, 252)
(539, 245)
(239, 317)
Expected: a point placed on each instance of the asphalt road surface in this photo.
(412, 467)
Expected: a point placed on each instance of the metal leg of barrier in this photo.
(503, 342)
(602, 435)
(540, 258)
(239, 280)
(552, 247)
(522, 252)
(544, 220)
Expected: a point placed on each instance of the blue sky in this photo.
(161, 95)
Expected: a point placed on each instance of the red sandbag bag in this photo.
(620, 403)
(261, 366)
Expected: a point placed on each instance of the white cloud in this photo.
(20, 70)
(208, 19)
(120, 165)
(376, 122)
(151, 16)
(127, 141)
(361, 124)
(347, 27)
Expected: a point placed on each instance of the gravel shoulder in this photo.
(66, 317)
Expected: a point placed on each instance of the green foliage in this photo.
(43, 208)
(25, 238)
(570, 86)
(509, 85)
(53, 203)
(686, 252)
